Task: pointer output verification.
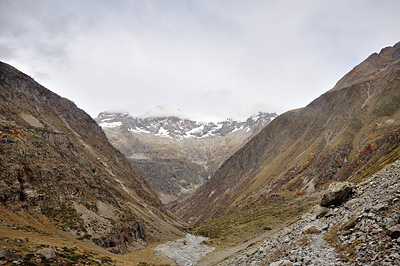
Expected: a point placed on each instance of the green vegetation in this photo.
(66, 218)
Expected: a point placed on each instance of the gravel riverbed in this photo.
(185, 251)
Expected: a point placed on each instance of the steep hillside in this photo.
(347, 133)
(176, 155)
(61, 178)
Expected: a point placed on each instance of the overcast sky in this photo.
(218, 58)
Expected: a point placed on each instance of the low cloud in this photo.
(224, 59)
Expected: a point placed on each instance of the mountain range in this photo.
(70, 197)
(177, 154)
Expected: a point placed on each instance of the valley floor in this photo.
(185, 251)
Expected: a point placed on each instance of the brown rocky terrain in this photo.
(348, 133)
(62, 179)
(362, 231)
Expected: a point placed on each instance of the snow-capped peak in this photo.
(172, 123)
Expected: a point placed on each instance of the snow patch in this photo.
(139, 130)
(110, 124)
(162, 132)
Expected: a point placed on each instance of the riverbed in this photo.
(185, 251)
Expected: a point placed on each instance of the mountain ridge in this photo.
(177, 155)
(335, 137)
(58, 169)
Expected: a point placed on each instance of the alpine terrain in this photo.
(67, 195)
(176, 154)
(317, 185)
(347, 134)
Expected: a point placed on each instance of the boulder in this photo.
(393, 231)
(337, 193)
(311, 229)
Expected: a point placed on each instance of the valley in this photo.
(174, 154)
(317, 185)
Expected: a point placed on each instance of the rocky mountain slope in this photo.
(62, 179)
(176, 155)
(348, 133)
(362, 231)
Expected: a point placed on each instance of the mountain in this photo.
(177, 154)
(348, 133)
(62, 182)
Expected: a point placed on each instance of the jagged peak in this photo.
(159, 124)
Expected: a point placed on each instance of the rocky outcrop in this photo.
(337, 193)
(123, 236)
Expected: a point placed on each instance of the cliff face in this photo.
(56, 162)
(345, 134)
(176, 155)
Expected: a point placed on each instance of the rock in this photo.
(9, 254)
(99, 261)
(311, 229)
(321, 212)
(393, 231)
(337, 193)
(49, 253)
(281, 263)
(250, 251)
(379, 207)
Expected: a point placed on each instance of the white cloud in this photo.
(221, 58)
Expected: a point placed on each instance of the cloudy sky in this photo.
(217, 58)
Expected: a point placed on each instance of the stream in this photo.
(185, 251)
